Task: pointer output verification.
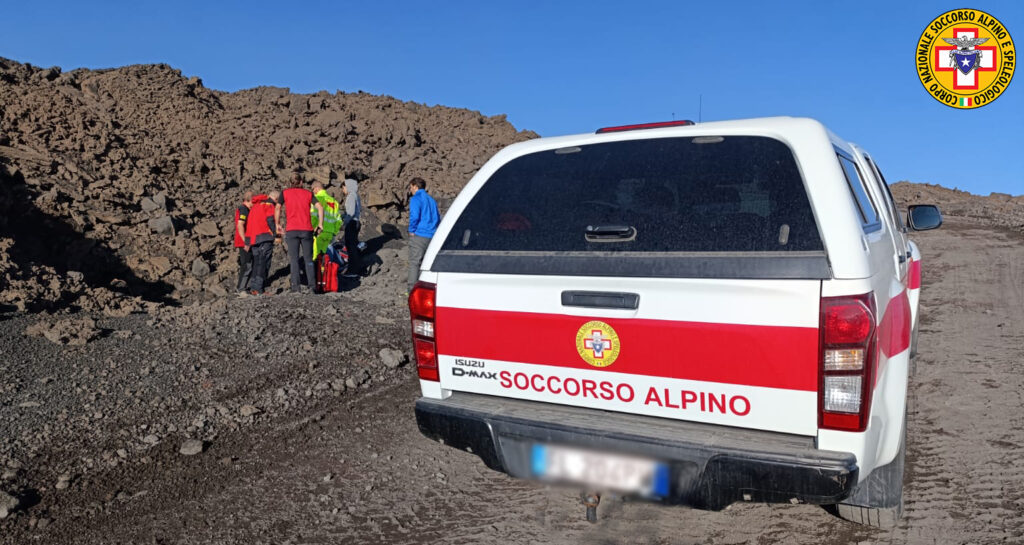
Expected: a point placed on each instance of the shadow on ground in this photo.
(44, 239)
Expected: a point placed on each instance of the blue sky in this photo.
(568, 67)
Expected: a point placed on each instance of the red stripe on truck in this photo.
(894, 331)
(751, 355)
(914, 276)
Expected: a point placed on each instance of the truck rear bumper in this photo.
(710, 466)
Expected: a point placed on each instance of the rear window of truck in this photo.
(695, 194)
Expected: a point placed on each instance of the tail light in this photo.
(847, 356)
(422, 310)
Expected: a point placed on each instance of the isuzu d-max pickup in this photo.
(696, 314)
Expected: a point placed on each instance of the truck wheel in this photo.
(878, 501)
(876, 517)
(913, 340)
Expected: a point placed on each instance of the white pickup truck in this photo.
(694, 314)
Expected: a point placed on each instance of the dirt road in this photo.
(352, 468)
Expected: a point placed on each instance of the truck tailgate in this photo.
(723, 351)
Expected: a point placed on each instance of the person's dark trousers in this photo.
(352, 246)
(417, 247)
(300, 247)
(244, 268)
(261, 255)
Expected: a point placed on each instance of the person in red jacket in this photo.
(261, 227)
(298, 229)
(242, 242)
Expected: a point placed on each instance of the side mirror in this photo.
(922, 217)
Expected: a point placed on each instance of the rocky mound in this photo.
(117, 187)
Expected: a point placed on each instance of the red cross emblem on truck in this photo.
(597, 343)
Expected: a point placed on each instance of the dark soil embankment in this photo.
(117, 187)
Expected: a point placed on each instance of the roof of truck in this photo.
(784, 128)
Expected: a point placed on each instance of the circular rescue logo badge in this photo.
(965, 58)
(597, 343)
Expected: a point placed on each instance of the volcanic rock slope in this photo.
(117, 187)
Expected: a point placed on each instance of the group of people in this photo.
(312, 221)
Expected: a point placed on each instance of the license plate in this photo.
(599, 470)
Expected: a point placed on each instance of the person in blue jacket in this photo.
(423, 220)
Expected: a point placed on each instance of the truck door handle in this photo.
(903, 258)
(600, 299)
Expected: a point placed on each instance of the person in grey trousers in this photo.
(299, 230)
(423, 219)
(350, 227)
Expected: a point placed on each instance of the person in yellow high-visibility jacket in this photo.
(332, 219)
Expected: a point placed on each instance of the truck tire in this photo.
(878, 501)
(876, 517)
(913, 340)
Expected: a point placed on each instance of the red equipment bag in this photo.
(327, 272)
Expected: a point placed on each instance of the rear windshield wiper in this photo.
(610, 233)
